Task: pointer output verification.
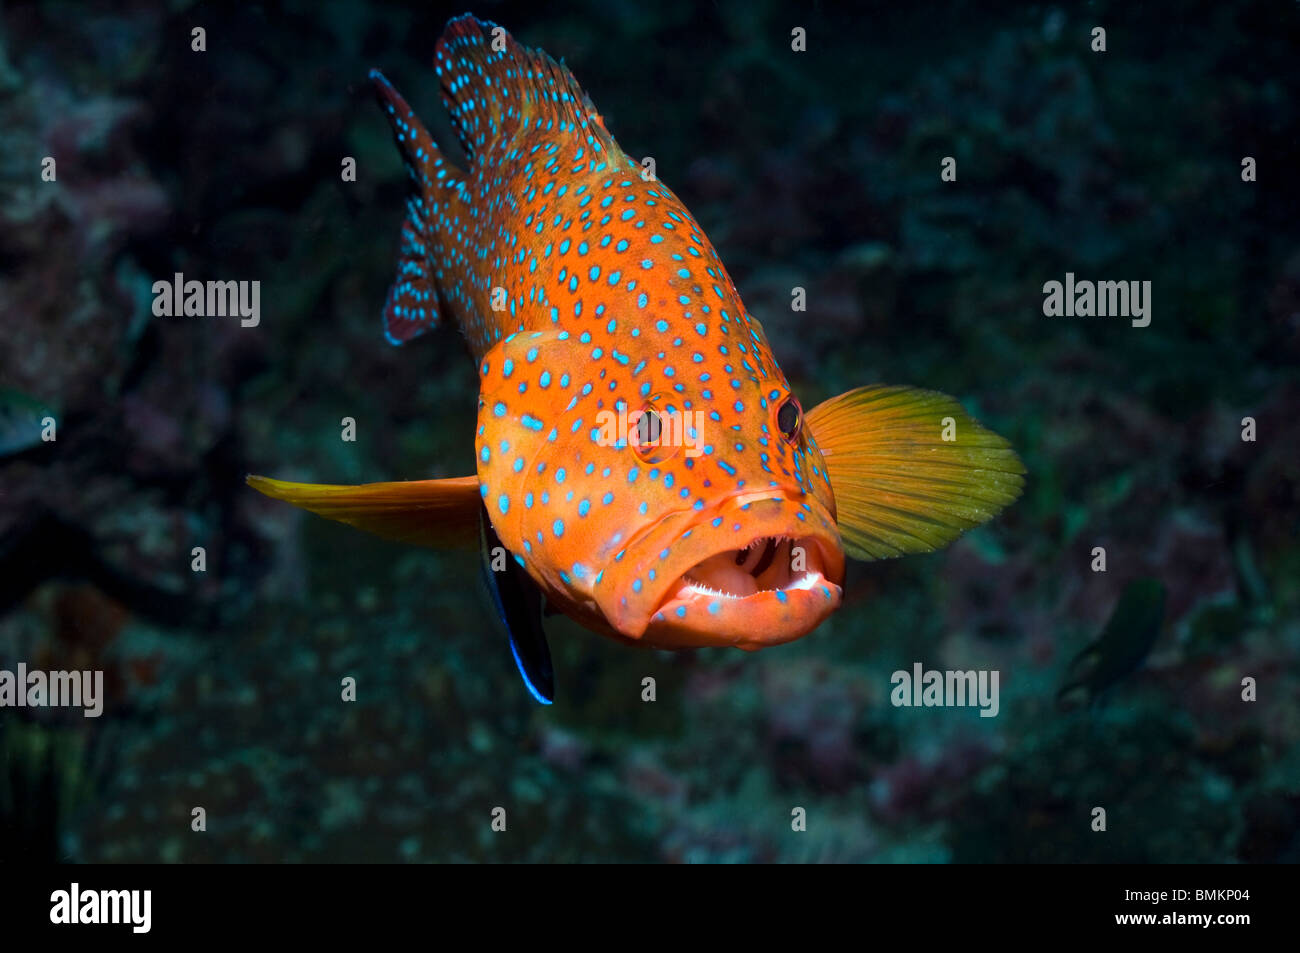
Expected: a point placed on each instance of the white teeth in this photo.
(699, 589)
(761, 568)
(692, 587)
(806, 581)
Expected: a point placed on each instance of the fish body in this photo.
(640, 454)
(1121, 648)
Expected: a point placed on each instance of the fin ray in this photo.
(899, 487)
(438, 513)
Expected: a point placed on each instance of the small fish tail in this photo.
(412, 305)
(497, 89)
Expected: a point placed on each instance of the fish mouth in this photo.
(781, 581)
(766, 565)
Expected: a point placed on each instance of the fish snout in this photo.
(759, 569)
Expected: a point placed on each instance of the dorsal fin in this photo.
(497, 89)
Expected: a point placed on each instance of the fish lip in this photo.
(632, 617)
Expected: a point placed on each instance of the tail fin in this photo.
(412, 306)
(911, 471)
(496, 89)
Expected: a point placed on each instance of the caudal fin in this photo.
(412, 307)
(910, 469)
(497, 90)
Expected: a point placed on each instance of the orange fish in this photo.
(642, 459)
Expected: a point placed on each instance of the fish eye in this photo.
(652, 439)
(788, 418)
(649, 428)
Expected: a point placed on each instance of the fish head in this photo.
(666, 505)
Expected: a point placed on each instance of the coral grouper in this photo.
(641, 457)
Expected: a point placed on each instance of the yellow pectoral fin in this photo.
(910, 469)
(439, 513)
